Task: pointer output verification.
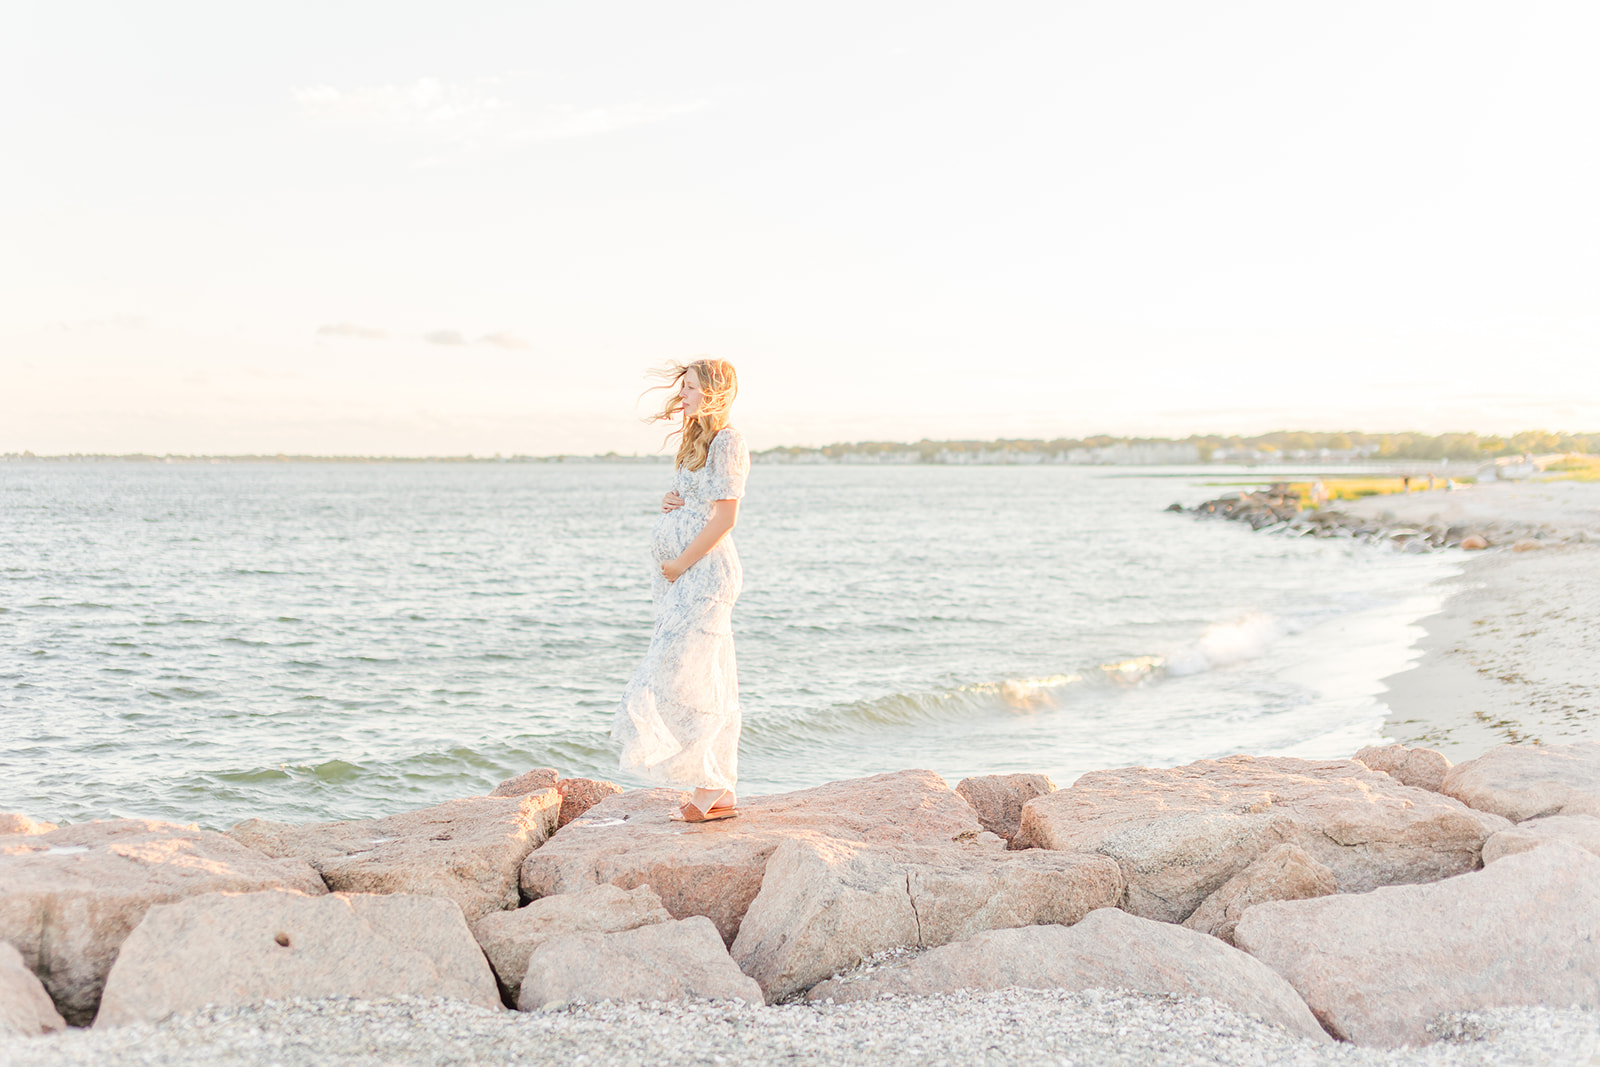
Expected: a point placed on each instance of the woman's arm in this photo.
(724, 514)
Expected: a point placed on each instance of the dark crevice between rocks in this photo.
(915, 914)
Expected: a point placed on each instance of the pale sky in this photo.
(406, 228)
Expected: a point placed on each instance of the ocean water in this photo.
(317, 641)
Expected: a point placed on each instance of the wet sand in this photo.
(1514, 656)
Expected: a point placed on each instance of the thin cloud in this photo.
(469, 116)
(504, 340)
(350, 329)
(444, 337)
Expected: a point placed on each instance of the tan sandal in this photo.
(690, 813)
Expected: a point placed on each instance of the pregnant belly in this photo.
(673, 532)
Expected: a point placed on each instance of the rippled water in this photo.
(303, 641)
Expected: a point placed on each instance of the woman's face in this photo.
(689, 390)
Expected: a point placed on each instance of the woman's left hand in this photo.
(672, 570)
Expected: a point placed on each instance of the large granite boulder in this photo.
(826, 905)
(1109, 949)
(1527, 781)
(466, 850)
(232, 950)
(25, 1008)
(1580, 830)
(715, 868)
(1420, 767)
(69, 897)
(578, 795)
(1377, 967)
(508, 938)
(998, 798)
(1180, 834)
(1286, 873)
(658, 962)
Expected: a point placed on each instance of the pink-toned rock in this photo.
(233, 950)
(12, 823)
(466, 850)
(1377, 967)
(714, 869)
(1527, 544)
(1286, 873)
(578, 795)
(1420, 767)
(508, 938)
(527, 782)
(1180, 834)
(1528, 781)
(69, 897)
(25, 1007)
(1580, 830)
(998, 798)
(826, 905)
(659, 962)
(1474, 542)
(1109, 949)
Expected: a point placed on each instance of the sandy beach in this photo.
(1511, 657)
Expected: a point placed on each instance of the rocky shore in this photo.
(1303, 909)
(1420, 522)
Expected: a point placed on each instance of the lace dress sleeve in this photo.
(727, 466)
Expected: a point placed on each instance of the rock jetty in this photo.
(1280, 509)
(1334, 899)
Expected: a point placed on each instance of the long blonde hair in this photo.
(718, 386)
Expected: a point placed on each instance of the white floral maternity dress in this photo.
(678, 721)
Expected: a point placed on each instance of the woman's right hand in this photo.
(671, 502)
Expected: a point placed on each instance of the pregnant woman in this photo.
(678, 721)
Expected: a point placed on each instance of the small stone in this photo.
(1420, 767)
(1474, 542)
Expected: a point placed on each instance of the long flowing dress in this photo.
(678, 721)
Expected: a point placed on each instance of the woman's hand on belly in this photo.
(673, 569)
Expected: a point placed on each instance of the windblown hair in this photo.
(719, 384)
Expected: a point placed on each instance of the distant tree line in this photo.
(1297, 443)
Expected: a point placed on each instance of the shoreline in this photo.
(1510, 656)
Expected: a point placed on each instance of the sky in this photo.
(425, 229)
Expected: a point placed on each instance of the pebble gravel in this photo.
(1104, 1029)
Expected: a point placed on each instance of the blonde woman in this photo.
(678, 721)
